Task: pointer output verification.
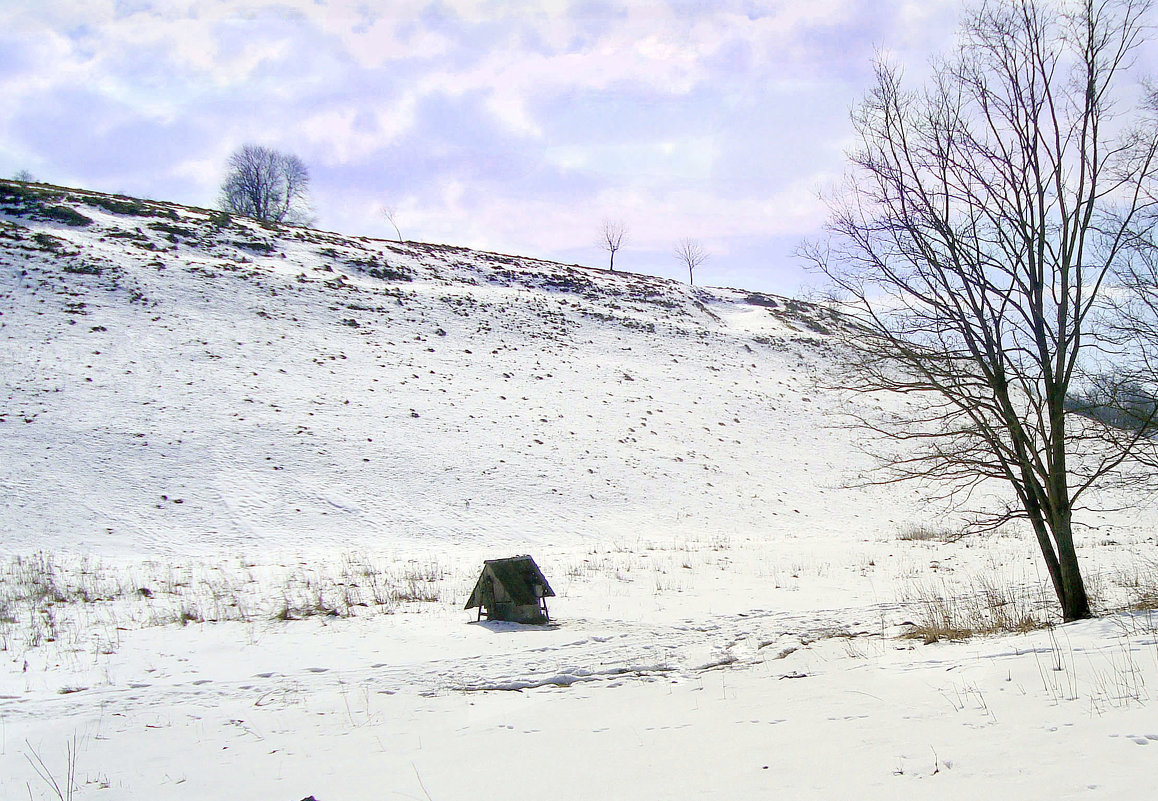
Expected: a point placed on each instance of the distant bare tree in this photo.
(391, 215)
(691, 254)
(1133, 306)
(611, 236)
(1127, 392)
(982, 218)
(25, 176)
(266, 184)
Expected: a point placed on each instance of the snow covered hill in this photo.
(176, 377)
(248, 474)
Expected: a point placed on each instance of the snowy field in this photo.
(249, 476)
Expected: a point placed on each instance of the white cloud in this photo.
(682, 159)
(345, 134)
(658, 216)
(374, 35)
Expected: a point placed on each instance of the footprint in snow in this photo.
(318, 670)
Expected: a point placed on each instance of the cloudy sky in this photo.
(506, 125)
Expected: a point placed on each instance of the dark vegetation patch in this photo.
(816, 326)
(774, 344)
(28, 195)
(82, 268)
(568, 283)
(121, 233)
(13, 231)
(638, 325)
(462, 305)
(113, 205)
(62, 214)
(32, 201)
(128, 206)
(801, 314)
(380, 269)
(760, 299)
(173, 230)
(255, 245)
(314, 236)
(362, 308)
(49, 242)
(135, 237)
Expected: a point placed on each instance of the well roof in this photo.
(518, 575)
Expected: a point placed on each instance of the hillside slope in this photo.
(175, 376)
(248, 473)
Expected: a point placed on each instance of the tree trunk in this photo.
(1074, 602)
(1047, 551)
(1054, 533)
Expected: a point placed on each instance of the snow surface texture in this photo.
(250, 472)
(238, 385)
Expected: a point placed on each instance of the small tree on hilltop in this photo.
(611, 236)
(266, 184)
(691, 254)
(391, 215)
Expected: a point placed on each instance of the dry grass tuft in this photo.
(984, 608)
(1138, 586)
(81, 604)
(923, 532)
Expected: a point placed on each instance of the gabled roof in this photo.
(519, 576)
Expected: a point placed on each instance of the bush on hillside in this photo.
(66, 215)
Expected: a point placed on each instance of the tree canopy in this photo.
(266, 184)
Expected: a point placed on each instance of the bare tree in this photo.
(391, 215)
(611, 236)
(24, 176)
(691, 254)
(980, 221)
(266, 184)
